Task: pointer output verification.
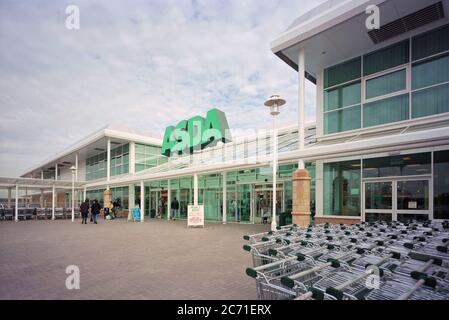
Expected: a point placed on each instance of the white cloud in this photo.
(139, 64)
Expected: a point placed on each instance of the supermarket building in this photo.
(379, 148)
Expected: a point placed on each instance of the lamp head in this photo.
(73, 168)
(274, 102)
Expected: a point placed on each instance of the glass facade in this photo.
(441, 185)
(148, 157)
(121, 195)
(386, 98)
(243, 187)
(397, 166)
(96, 166)
(342, 188)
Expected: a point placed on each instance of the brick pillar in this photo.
(301, 197)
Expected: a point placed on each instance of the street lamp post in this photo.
(73, 168)
(274, 103)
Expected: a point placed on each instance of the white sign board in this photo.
(413, 205)
(195, 216)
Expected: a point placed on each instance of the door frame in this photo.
(266, 186)
(394, 210)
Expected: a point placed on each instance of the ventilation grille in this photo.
(408, 23)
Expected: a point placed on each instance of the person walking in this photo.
(95, 210)
(174, 208)
(84, 209)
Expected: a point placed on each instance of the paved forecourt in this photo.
(125, 260)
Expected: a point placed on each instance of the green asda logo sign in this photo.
(196, 133)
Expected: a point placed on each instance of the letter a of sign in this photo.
(72, 22)
(73, 280)
(373, 20)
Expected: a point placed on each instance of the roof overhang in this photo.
(37, 183)
(389, 143)
(91, 145)
(335, 31)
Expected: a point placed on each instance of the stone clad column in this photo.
(301, 197)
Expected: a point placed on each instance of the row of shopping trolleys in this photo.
(367, 261)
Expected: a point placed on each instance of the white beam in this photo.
(301, 102)
(132, 157)
(168, 200)
(9, 198)
(17, 204)
(76, 166)
(225, 193)
(53, 202)
(108, 164)
(195, 189)
(42, 198)
(142, 201)
(131, 201)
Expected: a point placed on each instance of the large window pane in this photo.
(441, 185)
(342, 73)
(342, 188)
(386, 111)
(430, 43)
(413, 195)
(386, 58)
(396, 166)
(342, 120)
(431, 72)
(342, 97)
(389, 83)
(430, 101)
(379, 196)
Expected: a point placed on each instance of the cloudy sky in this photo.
(137, 64)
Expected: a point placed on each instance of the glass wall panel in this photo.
(342, 120)
(430, 101)
(379, 195)
(386, 58)
(244, 202)
(386, 111)
(430, 43)
(396, 166)
(343, 96)
(389, 83)
(121, 196)
(430, 72)
(342, 188)
(413, 195)
(441, 185)
(342, 73)
(148, 157)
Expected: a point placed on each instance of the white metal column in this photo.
(9, 198)
(41, 201)
(76, 166)
(53, 203)
(131, 201)
(301, 102)
(142, 201)
(132, 157)
(225, 193)
(168, 199)
(108, 168)
(85, 194)
(195, 189)
(42, 174)
(56, 171)
(17, 204)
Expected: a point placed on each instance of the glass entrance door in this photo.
(396, 200)
(263, 202)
